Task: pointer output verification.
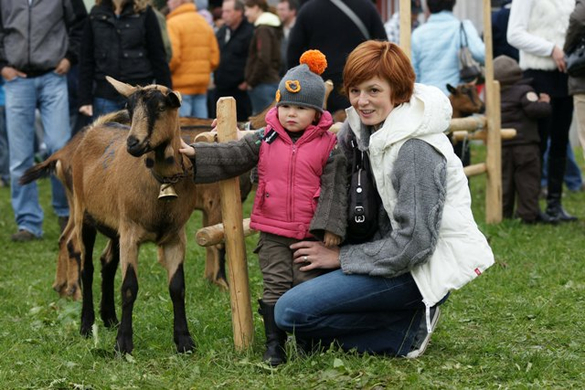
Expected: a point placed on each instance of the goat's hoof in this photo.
(85, 330)
(110, 322)
(124, 345)
(185, 344)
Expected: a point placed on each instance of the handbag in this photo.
(363, 199)
(576, 60)
(469, 69)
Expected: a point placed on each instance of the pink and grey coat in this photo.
(302, 185)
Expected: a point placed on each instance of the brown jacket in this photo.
(264, 60)
(575, 32)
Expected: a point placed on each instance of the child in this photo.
(300, 171)
(521, 107)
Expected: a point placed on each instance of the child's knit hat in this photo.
(303, 85)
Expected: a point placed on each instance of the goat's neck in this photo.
(167, 161)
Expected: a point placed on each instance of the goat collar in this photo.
(186, 172)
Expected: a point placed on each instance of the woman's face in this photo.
(371, 99)
(252, 13)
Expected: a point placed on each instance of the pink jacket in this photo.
(290, 178)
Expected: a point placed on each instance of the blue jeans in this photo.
(371, 314)
(4, 164)
(49, 93)
(573, 179)
(103, 106)
(194, 106)
(261, 96)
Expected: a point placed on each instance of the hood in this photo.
(506, 70)
(267, 19)
(182, 9)
(310, 132)
(428, 112)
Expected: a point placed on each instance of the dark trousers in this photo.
(521, 181)
(279, 272)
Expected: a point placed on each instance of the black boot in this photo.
(275, 354)
(555, 211)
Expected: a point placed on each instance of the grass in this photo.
(518, 326)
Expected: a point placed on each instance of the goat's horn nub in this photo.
(167, 192)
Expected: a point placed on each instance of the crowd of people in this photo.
(380, 295)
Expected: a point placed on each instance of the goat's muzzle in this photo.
(135, 147)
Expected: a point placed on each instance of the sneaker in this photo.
(423, 336)
(23, 236)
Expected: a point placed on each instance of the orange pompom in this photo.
(315, 60)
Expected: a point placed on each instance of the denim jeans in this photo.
(194, 106)
(371, 314)
(261, 96)
(4, 164)
(103, 106)
(49, 93)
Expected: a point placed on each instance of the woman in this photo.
(575, 36)
(263, 64)
(537, 29)
(427, 242)
(121, 39)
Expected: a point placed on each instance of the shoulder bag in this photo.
(576, 60)
(469, 69)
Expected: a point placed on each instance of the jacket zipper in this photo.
(291, 184)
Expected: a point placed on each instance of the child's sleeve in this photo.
(220, 161)
(532, 107)
(331, 213)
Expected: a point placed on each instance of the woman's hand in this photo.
(315, 255)
(558, 56)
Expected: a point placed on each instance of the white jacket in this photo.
(462, 252)
(535, 27)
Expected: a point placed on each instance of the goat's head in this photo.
(153, 113)
(465, 100)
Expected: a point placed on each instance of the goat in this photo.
(115, 176)
(465, 102)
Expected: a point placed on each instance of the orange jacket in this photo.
(195, 50)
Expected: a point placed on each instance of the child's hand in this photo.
(331, 239)
(544, 97)
(187, 149)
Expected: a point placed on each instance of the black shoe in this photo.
(557, 212)
(542, 218)
(275, 354)
(423, 336)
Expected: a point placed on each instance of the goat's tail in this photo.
(39, 171)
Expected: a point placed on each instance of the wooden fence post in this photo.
(493, 208)
(231, 209)
(405, 26)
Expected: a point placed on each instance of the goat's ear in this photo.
(122, 88)
(452, 89)
(175, 99)
(473, 82)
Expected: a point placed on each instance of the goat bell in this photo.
(167, 192)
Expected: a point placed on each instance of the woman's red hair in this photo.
(384, 60)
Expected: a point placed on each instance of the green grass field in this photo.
(521, 325)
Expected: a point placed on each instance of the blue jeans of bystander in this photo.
(103, 106)
(49, 93)
(371, 314)
(194, 106)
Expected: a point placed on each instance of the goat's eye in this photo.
(161, 108)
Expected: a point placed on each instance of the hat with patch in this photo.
(303, 85)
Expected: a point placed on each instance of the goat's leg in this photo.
(172, 255)
(215, 255)
(110, 259)
(88, 234)
(129, 261)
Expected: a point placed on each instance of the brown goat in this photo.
(465, 102)
(116, 173)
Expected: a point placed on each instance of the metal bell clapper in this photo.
(167, 192)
